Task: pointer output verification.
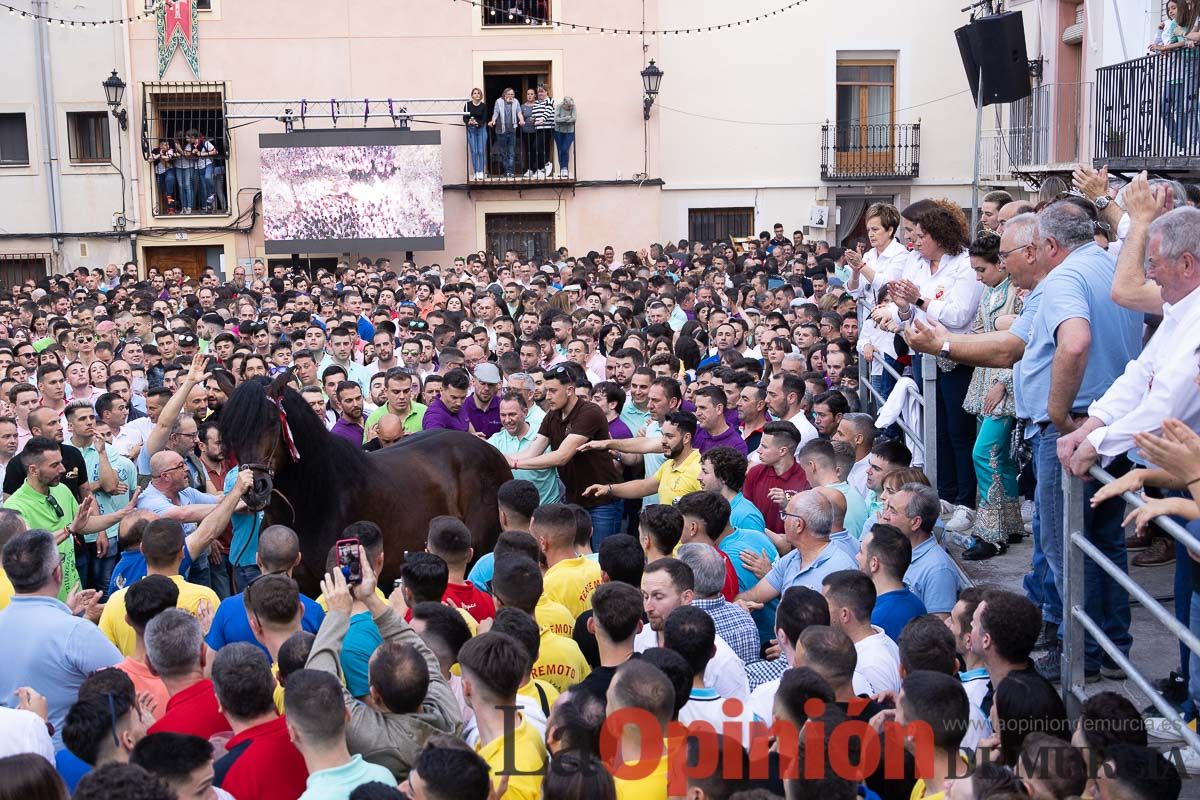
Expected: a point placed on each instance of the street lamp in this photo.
(114, 90)
(651, 78)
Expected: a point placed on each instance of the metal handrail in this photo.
(1077, 621)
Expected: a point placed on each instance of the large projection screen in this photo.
(330, 191)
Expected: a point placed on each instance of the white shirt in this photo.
(878, 662)
(858, 476)
(725, 673)
(129, 437)
(762, 703)
(23, 731)
(887, 266)
(807, 431)
(1157, 385)
(952, 293)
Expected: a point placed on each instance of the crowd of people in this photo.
(722, 573)
(353, 192)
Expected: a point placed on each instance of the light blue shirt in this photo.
(846, 542)
(856, 508)
(109, 503)
(634, 417)
(546, 480)
(481, 574)
(337, 783)
(744, 515)
(52, 651)
(789, 571)
(733, 545)
(1078, 288)
(151, 499)
(243, 547)
(932, 577)
(355, 371)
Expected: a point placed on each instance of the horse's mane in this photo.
(327, 462)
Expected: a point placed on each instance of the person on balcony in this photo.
(163, 158)
(1178, 100)
(543, 121)
(529, 134)
(564, 134)
(475, 118)
(506, 119)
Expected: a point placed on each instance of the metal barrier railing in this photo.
(1077, 621)
(927, 384)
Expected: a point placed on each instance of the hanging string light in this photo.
(533, 19)
(80, 23)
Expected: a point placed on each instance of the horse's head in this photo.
(256, 432)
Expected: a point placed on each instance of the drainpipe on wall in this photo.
(45, 83)
(134, 167)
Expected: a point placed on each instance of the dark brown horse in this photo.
(332, 484)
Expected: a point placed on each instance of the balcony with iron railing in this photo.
(1147, 114)
(1047, 132)
(521, 160)
(509, 13)
(852, 151)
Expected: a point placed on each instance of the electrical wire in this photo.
(512, 14)
(80, 23)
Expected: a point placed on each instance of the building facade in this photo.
(803, 117)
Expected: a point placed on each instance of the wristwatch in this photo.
(920, 303)
(1101, 202)
(945, 351)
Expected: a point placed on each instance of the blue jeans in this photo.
(1193, 673)
(166, 191)
(1105, 601)
(564, 142)
(95, 573)
(205, 177)
(477, 145)
(1178, 112)
(244, 575)
(1039, 582)
(187, 187)
(507, 142)
(606, 520)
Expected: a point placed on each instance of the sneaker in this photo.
(564, 173)
(963, 519)
(1016, 538)
(981, 550)
(947, 510)
(1049, 638)
(1173, 688)
(478, 176)
(1027, 512)
(1050, 667)
(539, 176)
(549, 170)
(1160, 552)
(1112, 670)
(1139, 541)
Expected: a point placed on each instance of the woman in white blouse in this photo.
(869, 275)
(938, 283)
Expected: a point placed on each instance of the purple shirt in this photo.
(486, 421)
(731, 417)
(438, 416)
(349, 431)
(730, 438)
(618, 429)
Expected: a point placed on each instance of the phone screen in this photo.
(348, 561)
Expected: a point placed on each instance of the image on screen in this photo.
(324, 191)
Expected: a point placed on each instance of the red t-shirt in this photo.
(261, 763)
(760, 479)
(476, 603)
(730, 589)
(193, 711)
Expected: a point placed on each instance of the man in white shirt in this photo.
(851, 598)
(667, 584)
(1158, 384)
(857, 430)
(691, 632)
(785, 399)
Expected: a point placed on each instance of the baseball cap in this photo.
(487, 373)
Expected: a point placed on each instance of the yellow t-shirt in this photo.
(676, 481)
(560, 662)
(571, 582)
(554, 617)
(526, 753)
(121, 633)
(6, 590)
(651, 787)
(918, 792)
(530, 690)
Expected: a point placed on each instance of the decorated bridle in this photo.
(267, 467)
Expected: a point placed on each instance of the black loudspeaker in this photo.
(994, 47)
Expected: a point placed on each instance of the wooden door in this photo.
(189, 258)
